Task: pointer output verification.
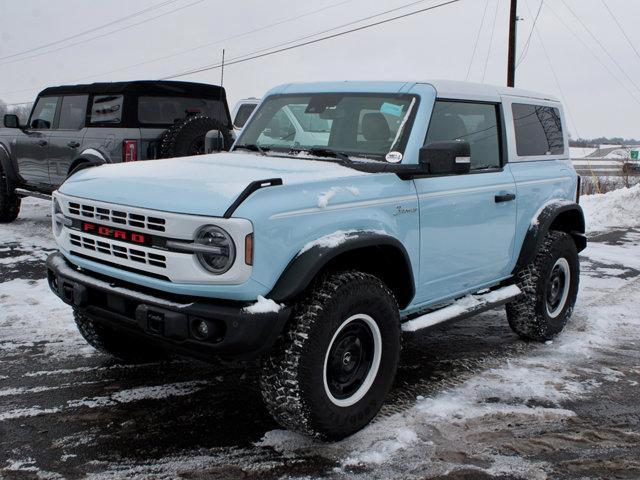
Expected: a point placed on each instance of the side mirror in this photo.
(446, 158)
(213, 141)
(11, 121)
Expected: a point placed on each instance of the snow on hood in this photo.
(199, 185)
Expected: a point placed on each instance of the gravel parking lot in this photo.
(471, 401)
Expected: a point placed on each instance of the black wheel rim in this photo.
(350, 359)
(556, 287)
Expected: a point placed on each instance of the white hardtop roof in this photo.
(444, 89)
(456, 89)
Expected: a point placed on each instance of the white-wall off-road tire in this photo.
(330, 372)
(549, 287)
(9, 201)
(117, 345)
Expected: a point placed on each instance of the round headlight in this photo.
(219, 251)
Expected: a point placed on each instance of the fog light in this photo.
(202, 329)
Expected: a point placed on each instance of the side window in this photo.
(244, 112)
(476, 123)
(538, 130)
(73, 112)
(106, 109)
(43, 113)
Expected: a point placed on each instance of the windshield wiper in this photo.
(327, 152)
(253, 147)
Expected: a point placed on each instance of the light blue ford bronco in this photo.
(344, 215)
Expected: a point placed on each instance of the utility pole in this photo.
(511, 62)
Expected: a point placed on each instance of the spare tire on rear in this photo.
(186, 138)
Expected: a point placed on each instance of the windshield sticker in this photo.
(391, 109)
(393, 157)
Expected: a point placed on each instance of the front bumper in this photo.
(168, 321)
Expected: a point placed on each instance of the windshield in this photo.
(359, 125)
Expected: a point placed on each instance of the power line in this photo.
(602, 64)
(604, 49)
(493, 31)
(100, 27)
(254, 54)
(401, 7)
(621, 29)
(82, 42)
(475, 45)
(555, 76)
(525, 49)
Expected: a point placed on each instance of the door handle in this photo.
(73, 144)
(42, 143)
(507, 197)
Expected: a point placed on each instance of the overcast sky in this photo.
(601, 99)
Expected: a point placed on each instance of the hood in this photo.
(200, 185)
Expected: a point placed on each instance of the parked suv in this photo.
(71, 127)
(422, 203)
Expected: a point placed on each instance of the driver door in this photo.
(32, 148)
(468, 221)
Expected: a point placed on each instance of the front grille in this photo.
(88, 243)
(117, 216)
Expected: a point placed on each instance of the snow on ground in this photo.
(617, 209)
(32, 228)
(581, 152)
(33, 317)
(435, 434)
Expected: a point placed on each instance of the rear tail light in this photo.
(129, 151)
(578, 189)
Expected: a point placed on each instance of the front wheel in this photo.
(330, 373)
(550, 286)
(9, 201)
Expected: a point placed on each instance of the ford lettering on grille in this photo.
(116, 233)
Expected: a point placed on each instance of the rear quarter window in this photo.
(156, 110)
(107, 109)
(538, 130)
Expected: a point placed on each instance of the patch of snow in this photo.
(616, 209)
(32, 314)
(157, 392)
(336, 238)
(464, 305)
(384, 449)
(323, 200)
(263, 305)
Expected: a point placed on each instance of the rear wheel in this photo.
(330, 373)
(9, 201)
(550, 286)
(110, 342)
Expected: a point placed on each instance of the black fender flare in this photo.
(309, 262)
(90, 157)
(565, 216)
(8, 167)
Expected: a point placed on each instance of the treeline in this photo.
(596, 142)
(21, 110)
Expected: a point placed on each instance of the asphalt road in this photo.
(471, 400)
